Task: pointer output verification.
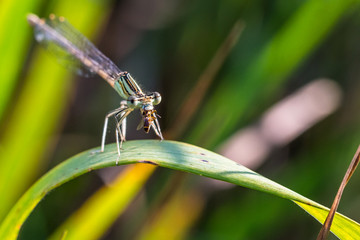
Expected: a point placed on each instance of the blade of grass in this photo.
(98, 213)
(14, 40)
(329, 219)
(170, 154)
(343, 228)
(319, 163)
(42, 101)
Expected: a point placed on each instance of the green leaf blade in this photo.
(170, 154)
(342, 227)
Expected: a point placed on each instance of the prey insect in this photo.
(59, 36)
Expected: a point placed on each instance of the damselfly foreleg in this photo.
(156, 127)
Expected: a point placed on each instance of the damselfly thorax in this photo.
(70, 46)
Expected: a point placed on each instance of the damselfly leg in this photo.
(156, 127)
(120, 115)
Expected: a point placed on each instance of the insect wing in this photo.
(74, 50)
(61, 54)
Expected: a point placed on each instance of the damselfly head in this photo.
(144, 101)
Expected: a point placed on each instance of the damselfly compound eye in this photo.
(132, 101)
(157, 98)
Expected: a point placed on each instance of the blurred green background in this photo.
(179, 48)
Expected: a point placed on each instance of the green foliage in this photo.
(285, 51)
(38, 108)
(14, 42)
(285, 44)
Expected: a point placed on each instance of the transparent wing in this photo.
(72, 49)
(62, 56)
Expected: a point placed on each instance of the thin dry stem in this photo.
(327, 224)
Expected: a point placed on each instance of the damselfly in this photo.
(60, 37)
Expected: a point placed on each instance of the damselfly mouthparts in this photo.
(59, 36)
